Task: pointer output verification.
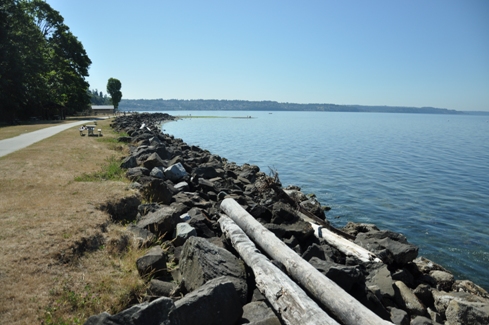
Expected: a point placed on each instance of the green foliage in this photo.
(110, 171)
(97, 98)
(114, 89)
(42, 64)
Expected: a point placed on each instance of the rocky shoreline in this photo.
(196, 276)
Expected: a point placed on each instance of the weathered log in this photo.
(286, 297)
(346, 308)
(344, 245)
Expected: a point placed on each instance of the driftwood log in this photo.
(289, 301)
(344, 307)
(344, 245)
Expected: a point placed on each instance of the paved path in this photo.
(24, 140)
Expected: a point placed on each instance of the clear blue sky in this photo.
(397, 53)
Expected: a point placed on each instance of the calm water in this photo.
(426, 176)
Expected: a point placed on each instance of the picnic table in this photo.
(91, 131)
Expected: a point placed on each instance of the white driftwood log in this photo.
(344, 245)
(285, 296)
(346, 308)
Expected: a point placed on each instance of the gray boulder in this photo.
(464, 312)
(423, 292)
(283, 213)
(135, 173)
(469, 287)
(183, 231)
(182, 186)
(153, 263)
(313, 206)
(421, 320)
(201, 224)
(157, 190)
(344, 276)
(154, 313)
(443, 299)
(129, 162)
(408, 300)
(393, 248)
(259, 313)
(380, 276)
(399, 316)
(176, 172)
(153, 161)
(444, 280)
(216, 302)
(206, 172)
(160, 288)
(202, 261)
(157, 172)
(142, 236)
(299, 229)
(164, 220)
(422, 265)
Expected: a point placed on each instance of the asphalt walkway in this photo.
(24, 140)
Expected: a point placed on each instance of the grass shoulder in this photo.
(49, 198)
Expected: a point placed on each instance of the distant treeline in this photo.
(243, 105)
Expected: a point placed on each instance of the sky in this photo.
(395, 53)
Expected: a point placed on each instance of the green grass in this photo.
(110, 171)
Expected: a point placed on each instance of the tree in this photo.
(114, 89)
(42, 64)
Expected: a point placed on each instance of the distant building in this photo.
(103, 109)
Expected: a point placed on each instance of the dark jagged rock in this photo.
(144, 209)
(153, 161)
(142, 236)
(183, 231)
(344, 276)
(136, 173)
(153, 263)
(258, 312)
(299, 229)
(283, 213)
(313, 206)
(399, 316)
(206, 172)
(129, 162)
(202, 261)
(380, 276)
(215, 302)
(160, 288)
(261, 213)
(200, 223)
(155, 313)
(392, 248)
(164, 220)
(157, 190)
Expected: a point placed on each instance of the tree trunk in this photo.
(286, 297)
(344, 245)
(346, 308)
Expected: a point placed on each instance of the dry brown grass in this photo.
(15, 130)
(44, 213)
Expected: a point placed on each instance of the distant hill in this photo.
(243, 105)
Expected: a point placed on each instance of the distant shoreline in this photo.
(150, 105)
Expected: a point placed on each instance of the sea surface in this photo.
(425, 176)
